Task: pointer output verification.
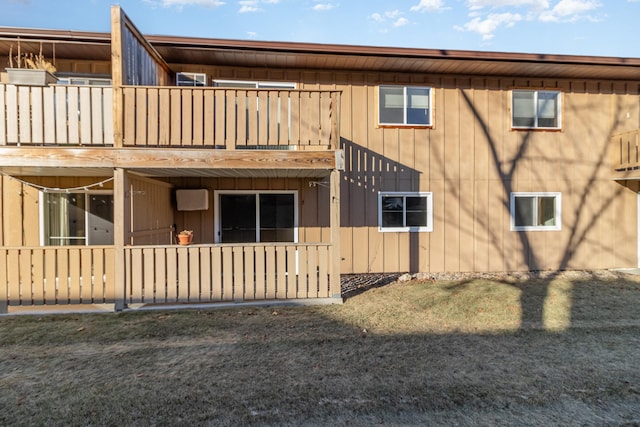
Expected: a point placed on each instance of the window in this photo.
(404, 105)
(191, 79)
(242, 84)
(83, 218)
(405, 211)
(250, 217)
(84, 81)
(536, 211)
(535, 109)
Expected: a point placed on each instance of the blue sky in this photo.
(580, 27)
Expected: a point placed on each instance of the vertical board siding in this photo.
(57, 275)
(62, 115)
(202, 273)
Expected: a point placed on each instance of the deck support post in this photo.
(119, 218)
(334, 222)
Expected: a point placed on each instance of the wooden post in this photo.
(117, 64)
(334, 222)
(119, 228)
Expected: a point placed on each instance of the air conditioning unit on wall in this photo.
(192, 199)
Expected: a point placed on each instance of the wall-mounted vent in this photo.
(192, 199)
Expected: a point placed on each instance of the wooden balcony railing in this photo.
(625, 152)
(237, 272)
(56, 115)
(229, 118)
(55, 276)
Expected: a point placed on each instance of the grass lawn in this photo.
(475, 352)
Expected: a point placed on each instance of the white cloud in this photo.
(531, 4)
(376, 17)
(487, 27)
(324, 6)
(248, 6)
(401, 22)
(570, 11)
(428, 6)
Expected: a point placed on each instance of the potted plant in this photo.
(185, 237)
(30, 69)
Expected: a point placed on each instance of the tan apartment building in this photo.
(294, 163)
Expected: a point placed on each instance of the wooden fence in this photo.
(55, 276)
(60, 115)
(625, 151)
(230, 118)
(237, 272)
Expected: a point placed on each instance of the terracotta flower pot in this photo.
(185, 239)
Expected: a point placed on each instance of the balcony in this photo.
(625, 155)
(170, 117)
(155, 129)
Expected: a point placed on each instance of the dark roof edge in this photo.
(47, 35)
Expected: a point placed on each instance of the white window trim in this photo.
(259, 84)
(427, 228)
(216, 207)
(404, 112)
(535, 100)
(558, 211)
(43, 206)
(196, 78)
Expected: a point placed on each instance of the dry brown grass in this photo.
(438, 353)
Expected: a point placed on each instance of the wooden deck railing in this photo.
(57, 275)
(54, 276)
(56, 115)
(238, 272)
(625, 151)
(230, 118)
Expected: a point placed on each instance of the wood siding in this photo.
(472, 160)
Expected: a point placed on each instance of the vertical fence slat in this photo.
(12, 114)
(141, 116)
(73, 122)
(249, 274)
(238, 273)
(37, 272)
(281, 272)
(61, 114)
(172, 274)
(37, 130)
(205, 274)
(175, 117)
(270, 272)
(24, 113)
(26, 283)
(260, 273)
(323, 272)
(85, 112)
(292, 273)
(252, 117)
(186, 139)
(273, 112)
(216, 275)
(183, 275)
(227, 274)
(74, 277)
(209, 118)
(312, 273)
(283, 118)
(148, 274)
(230, 123)
(137, 282)
(294, 115)
(198, 120)
(152, 116)
(86, 275)
(49, 115)
(164, 117)
(97, 117)
(303, 280)
(241, 118)
(50, 276)
(64, 296)
(160, 275)
(194, 274)
(99, 291)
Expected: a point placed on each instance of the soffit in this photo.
(318, 57)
